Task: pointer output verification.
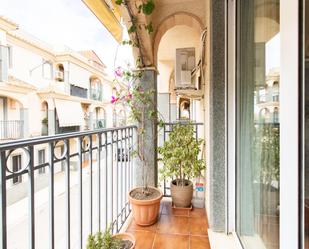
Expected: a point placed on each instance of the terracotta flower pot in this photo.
(126, 236)
(145, 212)
(182, 195)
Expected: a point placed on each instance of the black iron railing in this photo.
(78, 91)
(11, 129)
(164, 135)
(86, 189)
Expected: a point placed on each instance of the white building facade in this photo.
(46, 91)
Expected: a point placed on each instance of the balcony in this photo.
(78, 91)
(11, 129)
(175, 229)
(87, 177)
(77, 198)
(100, 124)
(68, 129)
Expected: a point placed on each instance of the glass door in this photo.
(306, 128)
(258, 123)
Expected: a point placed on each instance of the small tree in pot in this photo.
(145, 200)
(180, 158)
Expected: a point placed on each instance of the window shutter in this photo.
(3, 63)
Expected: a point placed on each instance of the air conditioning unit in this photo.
(185, 63)
(59, 75)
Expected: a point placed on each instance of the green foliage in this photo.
(180, 154)
(129, 42)
(266, 144)
(45, 121)
(119, 2)
(149, 28)
(142, 106)
(148, 7)
(132, 29)
(103, 240)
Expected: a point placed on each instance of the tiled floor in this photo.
(177, 229)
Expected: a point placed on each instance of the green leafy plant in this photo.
(147, 7)
(266, 144)
(45, 120)
(103, 240)
(180, 154)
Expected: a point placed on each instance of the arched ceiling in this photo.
(180, 36)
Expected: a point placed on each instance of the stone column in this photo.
(149, 82)
(51, 122)
(217, 112)
(90, 122)
(24, 116)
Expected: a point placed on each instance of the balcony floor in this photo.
(179, 229)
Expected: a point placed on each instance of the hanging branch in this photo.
(146, 8)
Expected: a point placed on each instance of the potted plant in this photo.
(145, 200)
(45, 126)
(180, 160)
(108, 241)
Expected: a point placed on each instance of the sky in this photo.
(69, 23)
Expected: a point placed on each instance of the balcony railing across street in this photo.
(11, 129)
(99, 196)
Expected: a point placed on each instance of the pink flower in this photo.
(114, 100)
(118, 72)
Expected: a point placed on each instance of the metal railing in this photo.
(164, 133)
(11, 129)
(78, 91)
(79, 200)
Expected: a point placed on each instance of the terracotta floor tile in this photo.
(168, 210)
(133, 226)
(198, 226)
(199, 242)
(173, 224)
(144, 239)
(197, 212)
(167, 241)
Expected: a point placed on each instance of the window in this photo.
(276, 98)
(41, 160)
(10, 56)
(95, 89)
(276, 115)
(47, 70)
(264, 116)
(16, 162)
(60, 73)
(257, 141)
(3, 63)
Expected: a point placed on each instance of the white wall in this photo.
(27, 66)
(78, 75)
(165, 69)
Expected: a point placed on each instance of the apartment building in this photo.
(46, 91)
